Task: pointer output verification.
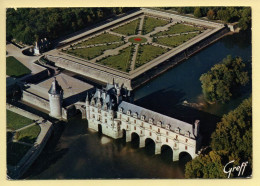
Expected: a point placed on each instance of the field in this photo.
(16, 121)
(174, 41)
(151, 23)
(129, 28)
(28, 135)
(120, 61)
(178, 28)
(15, 152)
(15, 68)
(91, 52)
(147, 53)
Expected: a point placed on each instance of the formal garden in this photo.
(129, 45)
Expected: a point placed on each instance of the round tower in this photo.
(55, 97)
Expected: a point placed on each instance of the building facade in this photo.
(110, 110)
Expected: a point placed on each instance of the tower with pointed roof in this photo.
(55, 99)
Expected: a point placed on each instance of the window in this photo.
(142, 124)
(99, 111)
(167, 133)
(142, 117)
(176, 137)
(135, 127)
(93, 116)
(135, 121)
(175, 145)
(150, 126)
(186, 148)
(127, 119)
(167, 140)
(151, 120)
(141, 132)
(128, 112)
(168, 126)
(186, 140)
(105, 120)
(127, 126)
(157, 138)
(119, 116)
(158, 130)
(150, 134)
(106, 114)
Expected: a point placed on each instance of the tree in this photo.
(219, 84)
(211, 14)
(232, 140)
(197, 12)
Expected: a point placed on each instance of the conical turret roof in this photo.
(55, 88)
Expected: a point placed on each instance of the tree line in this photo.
(242, 15)
(28, 25)
(232, 140)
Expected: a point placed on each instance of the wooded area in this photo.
(28, 25)
(232, 140)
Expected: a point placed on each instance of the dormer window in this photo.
(159, 123)
(187, 134)
(142, 117)
(128, 112)
(135, 115)
(105, 107)
(151, 120)
(177, 130)
(168, 127)
(121, 109)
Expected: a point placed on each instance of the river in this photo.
(75, 152)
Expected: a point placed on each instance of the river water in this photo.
(75, 152)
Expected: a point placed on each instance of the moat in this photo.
(82, 154)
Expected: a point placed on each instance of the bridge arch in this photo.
(149, 146)
(135, 140)
(185, 156)
(99, 128)
(167, 153)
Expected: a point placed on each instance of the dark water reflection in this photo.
(78, 153)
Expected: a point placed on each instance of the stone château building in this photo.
(110, 111)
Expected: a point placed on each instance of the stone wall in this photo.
(35, 100)
(89, 71)
(183, 55)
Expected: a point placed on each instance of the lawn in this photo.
(151, 23)
(29, 134)
(147, 53)
(15, 68)
(92, 52)
(16, 121)
(120, 61)
(174, 41)
(15, 152)
(129, 28)
(178, 28)
(102, 38)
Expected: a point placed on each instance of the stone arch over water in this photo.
(167, 153)
(185, 156)
(150, 146)
(135, 140)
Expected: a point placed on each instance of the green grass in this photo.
(15, 152)
(178, 28)
(92, 52)
(120, 61)
(174, 41)
(103, 38)
(147, 53)
(29, 134)
(15, 68)
(129, 28)
(16, 121)
(151, 23)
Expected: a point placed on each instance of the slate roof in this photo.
(165, 120)
(55, 88)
